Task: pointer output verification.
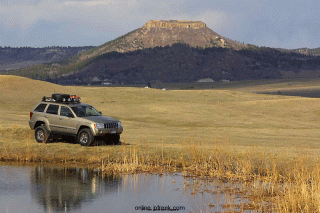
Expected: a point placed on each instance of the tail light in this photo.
(31, 113)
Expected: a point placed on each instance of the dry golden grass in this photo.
(269, 142)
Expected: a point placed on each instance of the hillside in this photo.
(181, 63)
(15, 58)
(175, 52)
(166, 33)
(230, 115)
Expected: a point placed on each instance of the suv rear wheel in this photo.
(41, 134)
(85, 137)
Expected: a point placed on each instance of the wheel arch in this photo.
(39, 123)
(83, 127)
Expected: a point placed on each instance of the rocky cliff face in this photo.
(166, 33)
(172, 24)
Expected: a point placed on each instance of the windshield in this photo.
(84, 111)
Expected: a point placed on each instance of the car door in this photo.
(53, 117)
(67, 120)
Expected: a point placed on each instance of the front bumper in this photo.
(105, 131)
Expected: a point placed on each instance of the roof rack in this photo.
(62, 98)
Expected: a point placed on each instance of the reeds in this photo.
(270, 183)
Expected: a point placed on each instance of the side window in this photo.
(40, 108)
(65, 111)
(75, 110)
(80, 111)
(53, 109)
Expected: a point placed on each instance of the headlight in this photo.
(99, 125)
(119, 125)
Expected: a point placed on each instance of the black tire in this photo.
(112, 139)
(85, 137)
(41, 134)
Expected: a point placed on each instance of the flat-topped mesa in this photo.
(174, 23)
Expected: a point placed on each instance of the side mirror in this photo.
(100, 112)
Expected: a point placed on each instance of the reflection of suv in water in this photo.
(64, 114)
(60, 189)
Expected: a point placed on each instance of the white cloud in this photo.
(25, 15)
(258, 22)
(88, 3)
(215, 19)
(302, 38)
(17, 15)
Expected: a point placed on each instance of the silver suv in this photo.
(63, 114)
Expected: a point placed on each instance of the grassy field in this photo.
(231, 132)
(235, 116)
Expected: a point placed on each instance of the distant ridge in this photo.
(175, 51)
(15, 58)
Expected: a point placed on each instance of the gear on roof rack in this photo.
(62, 98)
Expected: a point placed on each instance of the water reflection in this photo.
(58, 189)
(66, 189)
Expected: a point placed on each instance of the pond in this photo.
(56, 189)
(308, 93)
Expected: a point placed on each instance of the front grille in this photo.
(112, 125)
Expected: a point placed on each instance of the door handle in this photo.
(46, 116)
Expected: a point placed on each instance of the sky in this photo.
(273, 23)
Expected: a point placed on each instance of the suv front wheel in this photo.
(41, 134)
(85, 137)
